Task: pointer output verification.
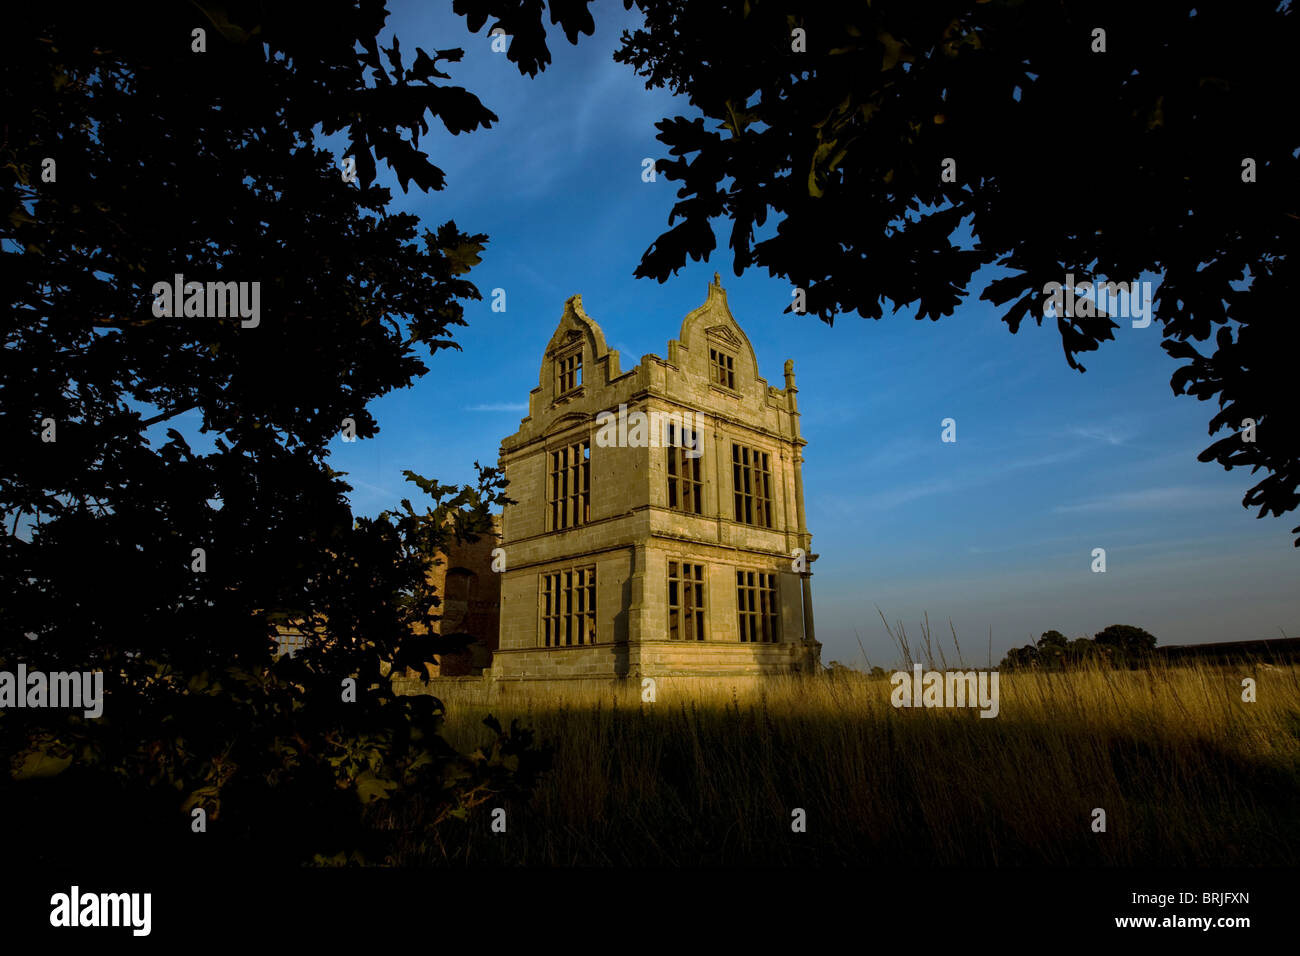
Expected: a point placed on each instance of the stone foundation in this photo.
(610, 672)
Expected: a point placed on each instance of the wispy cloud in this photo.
(357, 482)
(498, 407)
(1149, 499)
(891, 454)
(895, 454)
(1101, 433)
(1041, 461)
(1022, 545)
(901, 495)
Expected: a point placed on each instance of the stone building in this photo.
(471, 601)
(659, 528)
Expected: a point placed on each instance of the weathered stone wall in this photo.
(470, 592)
(551, 691)
(632, 533)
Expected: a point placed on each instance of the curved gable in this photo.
(577, 334)
(712, 327)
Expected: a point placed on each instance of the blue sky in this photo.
(994, 532)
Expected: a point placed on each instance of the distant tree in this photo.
(1126, 641)
(1052, 649)
(1117, 643)
(1081, 649)
(1021, 658)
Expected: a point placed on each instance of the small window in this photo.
(751, 484)
(568, 373)
(685, 601)
(290, 641)
(568, 607)
(756, 606)
(569, 490)
(685, 488)
(722, 369)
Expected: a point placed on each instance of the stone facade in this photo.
(621, 553)
(471, 602)
(462, 577)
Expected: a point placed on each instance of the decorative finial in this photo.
(717, 280)
(789, 373)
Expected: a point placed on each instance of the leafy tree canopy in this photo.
(1131, 640)
(834, 122)
(1116, 643)
(1052, 639)
(140, 151)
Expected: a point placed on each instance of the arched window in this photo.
(460, 588)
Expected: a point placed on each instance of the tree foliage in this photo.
(1130, 641)
(1114, 645)
(522, 24)
(1107, 165)
(170, 161)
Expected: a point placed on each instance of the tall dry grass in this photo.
(1187, 773)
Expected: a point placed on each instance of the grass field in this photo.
(1188, 775)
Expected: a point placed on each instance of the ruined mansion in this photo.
(659, 526)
